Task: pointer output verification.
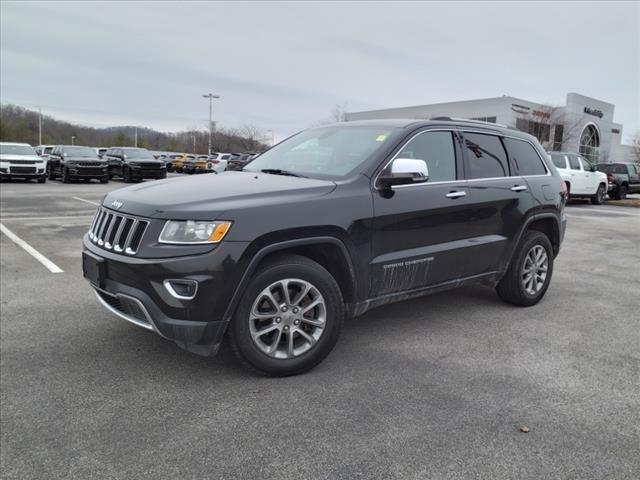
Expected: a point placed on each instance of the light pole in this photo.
(40, 127)
(210, 96)
(73, 139)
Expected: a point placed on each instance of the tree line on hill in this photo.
(18, 124)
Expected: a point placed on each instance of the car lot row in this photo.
(74, 162)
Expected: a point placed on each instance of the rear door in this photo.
(634, 178)
(498, 201)
(577, 179)
(419, 232)
(591, 181)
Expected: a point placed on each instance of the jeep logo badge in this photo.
(116, 204)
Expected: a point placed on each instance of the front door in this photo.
(419, 231)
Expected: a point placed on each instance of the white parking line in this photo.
(86, 201)
(627, 211)
(53, 268)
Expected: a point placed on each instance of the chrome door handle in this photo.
(519, 188)
(457, 194)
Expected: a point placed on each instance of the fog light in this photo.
(181, 289)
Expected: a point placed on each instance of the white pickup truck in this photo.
(20, 160)
(582, 178)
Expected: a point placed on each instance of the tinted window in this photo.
(437, 150)
(80, 151)
(524, 157)
(138, 153)
(560, 161)
(486, 156)
(586, 166)
(573, 162)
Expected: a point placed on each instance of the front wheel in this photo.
(598, 198)
(42, 179)
(289, 317)
(52, 176)
(529, 273)
(126, 175)
(66, 178)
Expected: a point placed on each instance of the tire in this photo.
(105, 179)
(42, 179)
(513, 286)
(621, 192)
(52, 176)
(598, 198)
(285, 325)
(126, 175)
(65, 175)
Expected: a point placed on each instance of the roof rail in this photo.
(456, 119)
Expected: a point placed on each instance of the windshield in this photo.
(325, 151)
(80, 152)
(138, 153)
(17, 150)
(558, 160)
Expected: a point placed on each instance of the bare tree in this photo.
(251, 137)
(635, 148)
(551, 126)
(338, 114)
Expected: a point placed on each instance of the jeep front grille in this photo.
(117, 232)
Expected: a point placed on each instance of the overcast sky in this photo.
(283, 66)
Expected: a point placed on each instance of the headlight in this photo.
(190, 232)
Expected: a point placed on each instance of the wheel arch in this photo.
(328, 251)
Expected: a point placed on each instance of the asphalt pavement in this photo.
(434, 388)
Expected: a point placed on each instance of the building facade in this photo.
(583, 124)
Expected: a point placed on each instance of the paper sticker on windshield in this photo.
(381, 138)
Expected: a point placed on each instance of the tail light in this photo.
(564, 191)
(215, 162)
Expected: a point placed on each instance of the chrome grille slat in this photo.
(118, 232)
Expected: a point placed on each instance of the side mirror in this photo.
(406, 171)
(124, 156)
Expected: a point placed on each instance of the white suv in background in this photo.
(582, 178)
(20, 160)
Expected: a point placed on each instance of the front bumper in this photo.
(88, 172)
(133, 288)
(148, 173)
(36, 170)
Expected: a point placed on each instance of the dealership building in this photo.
(583, 124)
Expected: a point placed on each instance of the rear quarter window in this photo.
(524, 157)
(560, 161)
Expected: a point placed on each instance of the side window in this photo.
(632, 169)
(524, 157)
(573, 162)
(586, 166)
(437, 150)
(486, 156)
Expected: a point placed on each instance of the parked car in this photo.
(238, 161)
(20, 160)
(101, 151)
(72, 162)
(179, 160)
(622, 178)
(582, 178)
(134, 164)
(277, 255)
(204, 164)
(218, 162)
(44, 150)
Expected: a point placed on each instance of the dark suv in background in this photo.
(69, 162)
(622, 178)
(134, 164)
(329, 223)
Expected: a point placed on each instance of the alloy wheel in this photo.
(534, 271)
(287, 318)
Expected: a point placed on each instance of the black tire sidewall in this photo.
(288, 267)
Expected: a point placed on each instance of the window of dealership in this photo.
(583, 124)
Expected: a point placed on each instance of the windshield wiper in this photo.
(277, 171)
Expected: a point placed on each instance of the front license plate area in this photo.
(94, 269)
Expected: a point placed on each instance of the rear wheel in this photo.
(42, 179)
(621, 193)
(289, 317)
(529, 274)
(598, 198)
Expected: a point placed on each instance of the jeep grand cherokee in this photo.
(330, 223)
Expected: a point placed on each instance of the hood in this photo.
(205, 197)
(11, 156)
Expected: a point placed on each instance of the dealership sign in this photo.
(519, 108)
(593, 111)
